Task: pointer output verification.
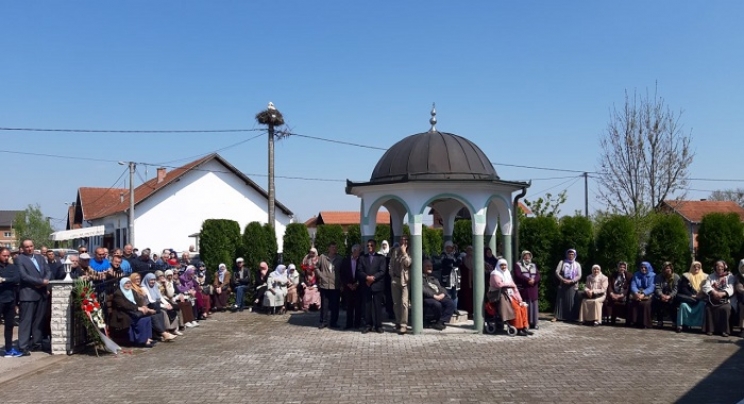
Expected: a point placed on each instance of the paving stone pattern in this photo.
(248, 357)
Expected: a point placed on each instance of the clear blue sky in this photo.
(530, 82)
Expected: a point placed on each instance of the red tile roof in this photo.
(102, 202)
(693, 211)
(343, 218)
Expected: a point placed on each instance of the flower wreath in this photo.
(89, 313)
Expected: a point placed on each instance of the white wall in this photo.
(167, 218)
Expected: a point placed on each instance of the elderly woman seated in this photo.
(690, 297)
(617, 293)
(665, 291)
(276, 289)
(720, 289)
(158, 323)
(641, 290)
(501, 280)
(739, 290)
(436, 298)
(163, 308)
(293, 295)
(221, 288)
(130, 317)
(169, 288)
(594, 297)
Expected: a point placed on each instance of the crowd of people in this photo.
(150, 298)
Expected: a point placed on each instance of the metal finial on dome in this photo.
(433, 119)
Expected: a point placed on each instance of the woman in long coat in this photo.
(690, 297)
(277, 288)
(127, 316)
(641, 290)
(527, 278)
(221, 288)
(595, 293)
(568, 273)
(617, 293)
(310, 292)
(665, 292)
(720, 290)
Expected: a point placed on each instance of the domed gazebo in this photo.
(446, 172)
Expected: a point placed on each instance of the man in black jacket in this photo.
(436, 298)
(371, 277)
(9, 278)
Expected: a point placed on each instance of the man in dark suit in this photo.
(371, 277)
(351, 290)
(9, 279)
(33, 297)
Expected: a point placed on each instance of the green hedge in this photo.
(296, 244)
(328, 233)
(540, 235)
(720, 238)
(219, 242)
(616, 241)
(669, 241)
(254, 245)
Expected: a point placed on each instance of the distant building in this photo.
(692, 213)
(464, 214)
(170, 208)
(7, 234)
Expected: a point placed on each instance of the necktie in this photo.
(353, 268)
(36, 264)
(370, 258)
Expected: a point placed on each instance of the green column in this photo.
(416, 278)
(478, 283)
(508, 249)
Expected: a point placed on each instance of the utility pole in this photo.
(130, 227)
(272, 118)
(586, 194)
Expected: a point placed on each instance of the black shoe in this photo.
(36, 348)
(379, 330)
(366, 330)
(348, 327)
(322, 326)
(528, 332)
(335, 326)
(240, 309)
(521, 333)
(26, 353)
(438, 326)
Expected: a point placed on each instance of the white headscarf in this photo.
(279, 274)
(221, 272)
(384, 248)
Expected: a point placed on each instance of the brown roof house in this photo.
(170, 208)
(692, 213)
(343, 218)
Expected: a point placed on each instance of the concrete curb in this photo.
(34, 367)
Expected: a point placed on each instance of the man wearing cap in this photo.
(527, 278)
(243, 280)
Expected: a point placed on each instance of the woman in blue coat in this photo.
(641, 290)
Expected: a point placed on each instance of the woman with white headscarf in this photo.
(594, 296)
(568, 273)
(221, 288)
(129, 317)
(293, 297)
(277, 289)
(501, 280)
(164, 312)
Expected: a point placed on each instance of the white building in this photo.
(169, 209)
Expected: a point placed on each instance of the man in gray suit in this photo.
(33, 297)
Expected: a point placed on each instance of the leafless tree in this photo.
(736, 195)
(645, 155)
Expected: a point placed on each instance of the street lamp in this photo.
(68, 268)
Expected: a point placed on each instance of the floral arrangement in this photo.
(89, 309)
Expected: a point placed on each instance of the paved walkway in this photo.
(248, 357)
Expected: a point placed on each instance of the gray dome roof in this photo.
(433, 156)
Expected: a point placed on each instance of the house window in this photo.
(8, 234)
(7, 245)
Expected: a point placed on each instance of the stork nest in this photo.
(270, 117)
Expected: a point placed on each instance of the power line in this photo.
(543, 168)
(213, 151)
(575, 178)
(130, 131)
(109, 188)
(333, 141)
(59, 156)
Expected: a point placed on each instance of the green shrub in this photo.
(432, 240)
(328, 233)
(219, 242)
(719, 238)
(271, 245)
(353, 236)
(539, 235)
(616, 241)
(669, 241)
(296, 244)
(462, 234)
(382, 232)
(255, 245)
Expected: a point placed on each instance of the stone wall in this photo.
(62, 321)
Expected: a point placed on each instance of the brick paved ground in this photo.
(248, 357)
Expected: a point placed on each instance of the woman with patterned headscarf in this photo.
(221, 288)
(667, 283)
(690, 297)
(568, 273)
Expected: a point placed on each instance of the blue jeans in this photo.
(239, 296)
(453, 295)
